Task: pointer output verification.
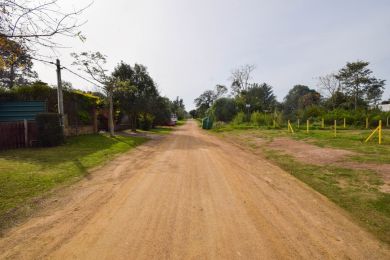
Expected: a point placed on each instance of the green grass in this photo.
(29, 173)
(354, 190)
(357, 191)
(181, 122)
(352, 140)
(158, 130)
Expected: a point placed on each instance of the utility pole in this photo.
(59, 94)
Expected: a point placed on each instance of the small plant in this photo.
(239, 118)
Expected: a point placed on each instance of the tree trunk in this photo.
(111, 114)
(134, 122)
(12, 77)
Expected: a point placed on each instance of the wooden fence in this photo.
(18, 134)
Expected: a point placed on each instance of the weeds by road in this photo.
(29, 173)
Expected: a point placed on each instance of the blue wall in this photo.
(17, 111)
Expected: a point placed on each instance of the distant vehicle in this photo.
(173, 120)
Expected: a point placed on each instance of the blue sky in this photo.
(190, 46)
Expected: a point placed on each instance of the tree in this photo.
(204, 101)
(357, 81)
(15, 64)
(375, 91)
(298, 98)
(260, 97)
(136, 91)
(207, 98)
(93, 64)
(224, 109)
(34, 24)
(240, 78)
(178, 108)
(330, 85)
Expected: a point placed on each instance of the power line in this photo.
(78, 75)
(74, 73)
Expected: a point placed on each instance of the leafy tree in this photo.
(358, 82)
(207, 98)
(162, 111)
(204, 102)
(260, 97)
(194, 113)
(178, 108)
(93, 64)
(224, 109)
(299, 97)
(136, 91)
(15, 64)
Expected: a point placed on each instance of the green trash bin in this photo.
(207, 123)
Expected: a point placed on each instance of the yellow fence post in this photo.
(307, 126)
(289, 127)
(366, 122)
(379, 129)
(345, 125)
(322, 123)
(335, 128)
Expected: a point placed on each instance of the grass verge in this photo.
(26, 174)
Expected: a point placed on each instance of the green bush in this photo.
(224, 109)
(239, 118)
(50, 132)
(146, 121)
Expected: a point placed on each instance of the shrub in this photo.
(257, 118)
(239, 118)
(146, 121)
(224, 109)
(50, 132)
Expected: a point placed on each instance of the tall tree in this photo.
(136, 91)
(298, 98)
(357, 81)
(93, 63)
(330, 85)
(260, 97)
(15, 64)
(207, 98)
(240, 78)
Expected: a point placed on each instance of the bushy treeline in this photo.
(352, 94)
(136, 100)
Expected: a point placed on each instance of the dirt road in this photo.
(190, 196)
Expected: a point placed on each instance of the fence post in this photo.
(335, 128)
(366, 122)
(345, 125)
(298, 123)
(274, 123)
(322, 123)
(387, 122)
(25, 132)
(380, 132)
(307, 126)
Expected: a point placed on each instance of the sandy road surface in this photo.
(190, 196)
